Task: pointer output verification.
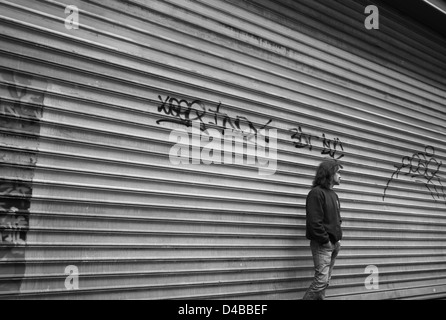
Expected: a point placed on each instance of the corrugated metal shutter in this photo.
(92, 206)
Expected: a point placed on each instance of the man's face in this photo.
(337, 178)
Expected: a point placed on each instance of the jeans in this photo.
(324, 257)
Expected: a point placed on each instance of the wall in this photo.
(106, 192)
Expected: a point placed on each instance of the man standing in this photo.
(323, 226)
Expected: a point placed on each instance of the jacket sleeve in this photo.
(315, 217)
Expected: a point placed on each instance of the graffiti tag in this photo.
(424, 168)
(330, 147)
(185, 112)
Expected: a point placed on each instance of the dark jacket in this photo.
(323, 216)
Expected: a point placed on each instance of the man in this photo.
(324, 226)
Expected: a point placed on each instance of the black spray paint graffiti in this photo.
(14, 222)
(424, 168)
(332, 148)
(20, 112)
(184, 113)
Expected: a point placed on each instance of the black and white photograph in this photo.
(243, 152)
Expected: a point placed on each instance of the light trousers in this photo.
(324, 257)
